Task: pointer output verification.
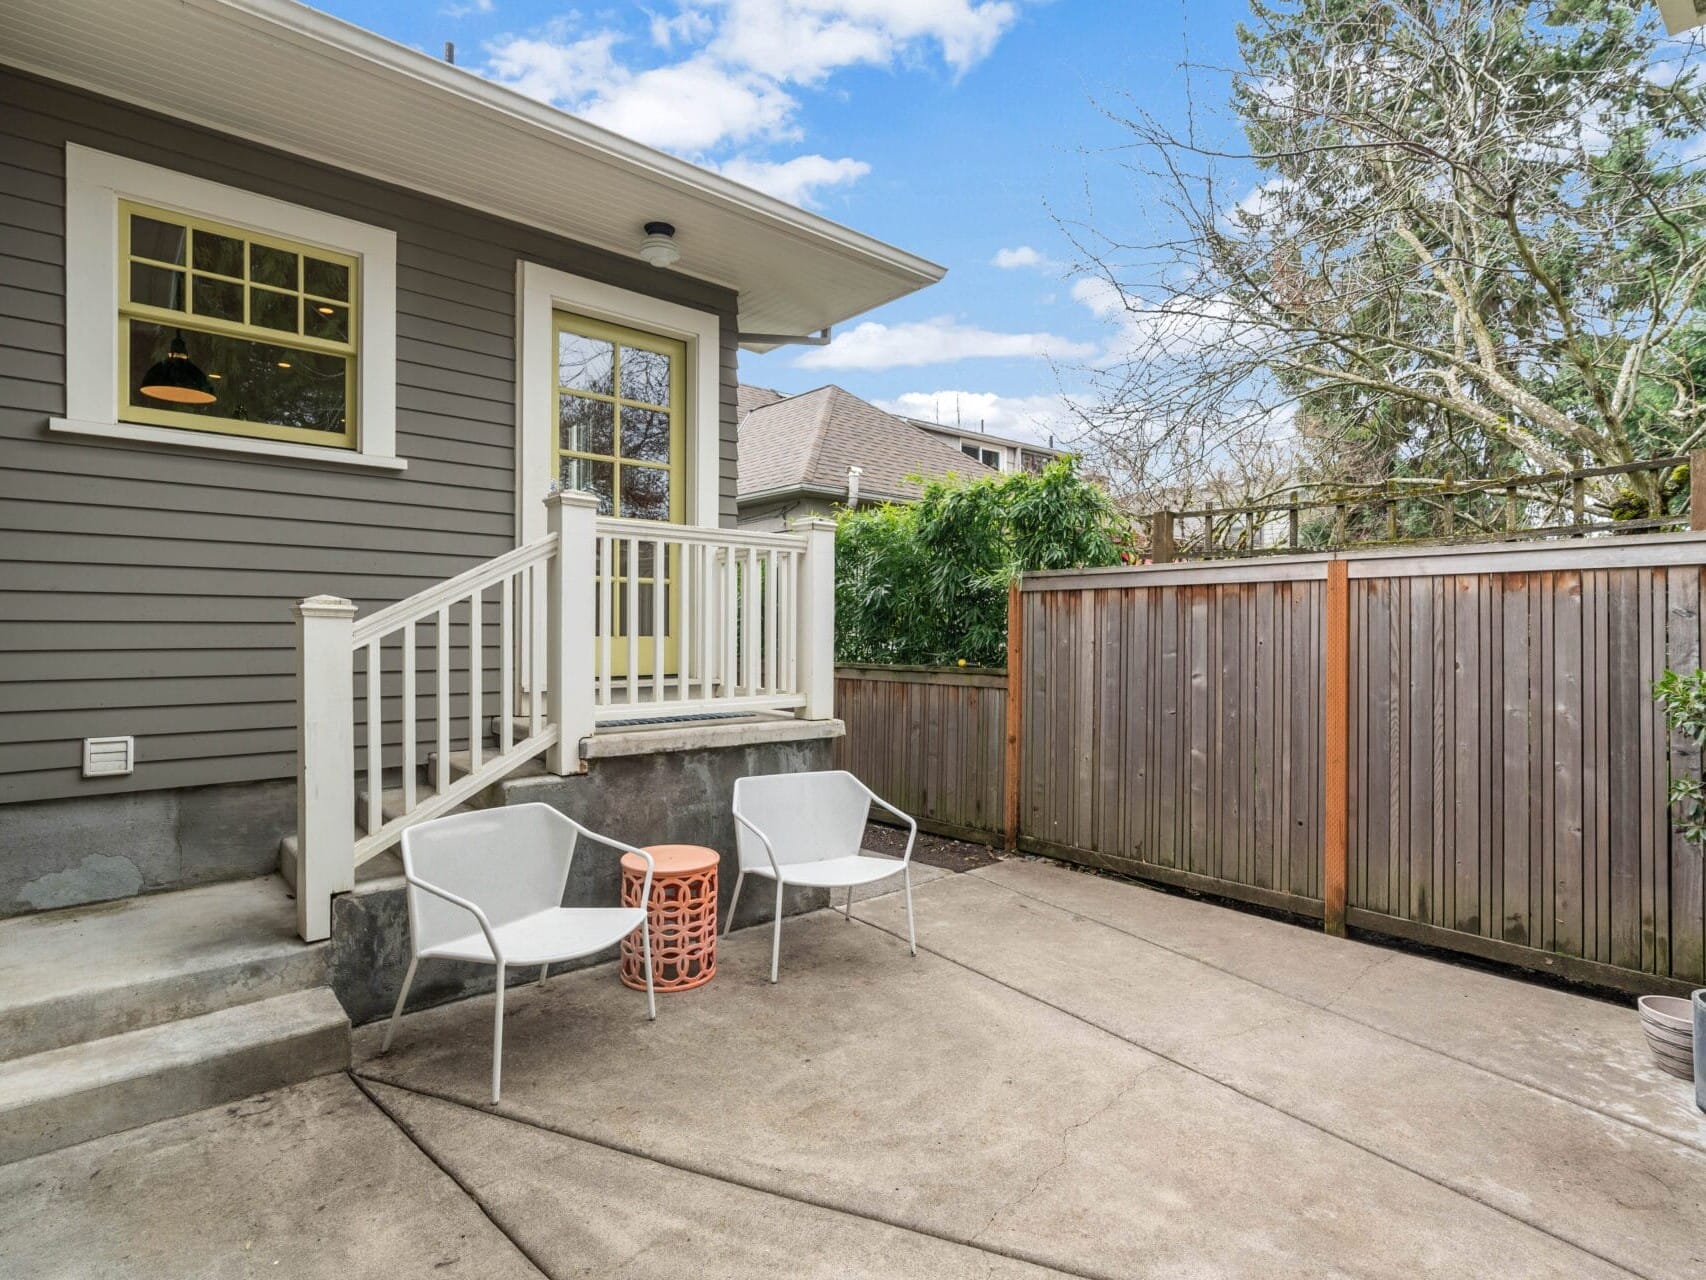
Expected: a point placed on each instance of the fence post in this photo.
(571, 599)
(1161, 548)
(1336, 734)
(1697, 490)
(1015, 711)
(325, 760)
(816, 621)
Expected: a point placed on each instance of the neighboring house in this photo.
(292, 313)
(808, 454)
(1001, 453)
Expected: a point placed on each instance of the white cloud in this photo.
(805, 40)
(873, 345)
(1019, 258)
(797, 180)
(1023, 417)
(693, 106)
(716, 74)
(466, 8)
(689, 27)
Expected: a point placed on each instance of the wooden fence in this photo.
(1456, 746)
(930, 740)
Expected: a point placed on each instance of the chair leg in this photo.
(911, 935)
(498, 1038)
(734, 901)
(543, 970)
(396, 1013)
(847, 911)
(776, 940)
(646, 943)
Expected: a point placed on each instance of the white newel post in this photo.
(325, 761)
(816, 619)
(571, 616)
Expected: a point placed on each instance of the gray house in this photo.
(295, 348)
(808, 454)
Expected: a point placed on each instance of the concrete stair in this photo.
(125, 1013)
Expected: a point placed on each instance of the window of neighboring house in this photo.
(271, 325)
(989, 457)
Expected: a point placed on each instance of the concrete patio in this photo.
(1076, 1076)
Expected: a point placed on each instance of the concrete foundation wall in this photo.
(667, 798)
(63, 853)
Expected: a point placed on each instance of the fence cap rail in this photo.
(898, 673)
(1605, 552)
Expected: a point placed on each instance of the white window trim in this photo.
(95, 182)
(542, 290)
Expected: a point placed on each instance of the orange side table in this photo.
(683, 914)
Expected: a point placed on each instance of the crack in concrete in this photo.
(461, 1184)
(1319, 1127)
(1634, 1122)
(1064, 1138)
(683, 1166)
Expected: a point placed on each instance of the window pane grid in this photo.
(271, 323)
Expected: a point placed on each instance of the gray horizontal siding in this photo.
(148, 590)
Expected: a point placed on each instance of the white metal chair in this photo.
(806, 829)
(488, 887)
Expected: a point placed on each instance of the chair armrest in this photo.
(769, 851)
(621, 847)
(911, 823)
(453, 900)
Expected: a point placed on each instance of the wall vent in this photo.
(108, 757)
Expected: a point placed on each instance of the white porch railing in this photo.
(685, 622)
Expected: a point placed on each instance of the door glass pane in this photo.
(585, 364)
(589, 476)
(645, 375)
(253, 381)
(645, 493)
(587, 426)
(151, 238)
(645, 434)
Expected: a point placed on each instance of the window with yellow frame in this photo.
(223, 329)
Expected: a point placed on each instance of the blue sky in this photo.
(952, 128)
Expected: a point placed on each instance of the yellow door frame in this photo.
(620, 336)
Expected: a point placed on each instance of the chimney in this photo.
(450, 52)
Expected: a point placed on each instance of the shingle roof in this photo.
(808, 441)
(750, 398)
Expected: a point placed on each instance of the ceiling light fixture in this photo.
(177, 378)
(658, 248)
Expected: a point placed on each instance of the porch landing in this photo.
(1075, 1077)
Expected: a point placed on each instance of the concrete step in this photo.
(83, 1091)
(385, 866)
(87, 973)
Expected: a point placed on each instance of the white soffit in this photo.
(290, 77)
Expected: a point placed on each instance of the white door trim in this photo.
(542, 290)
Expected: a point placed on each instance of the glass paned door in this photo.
(621, 436)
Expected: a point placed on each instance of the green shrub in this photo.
(927, 583)
(1683, 697)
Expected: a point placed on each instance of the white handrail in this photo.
(426, 602)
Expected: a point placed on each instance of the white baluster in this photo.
(441, 708)
(375, 740)
(770, 601)
(506, 687)
(660, 562)
(685, 584)
(476, 695)
(631, 618)
(535, 600)
(606, 614)
(409, 732)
